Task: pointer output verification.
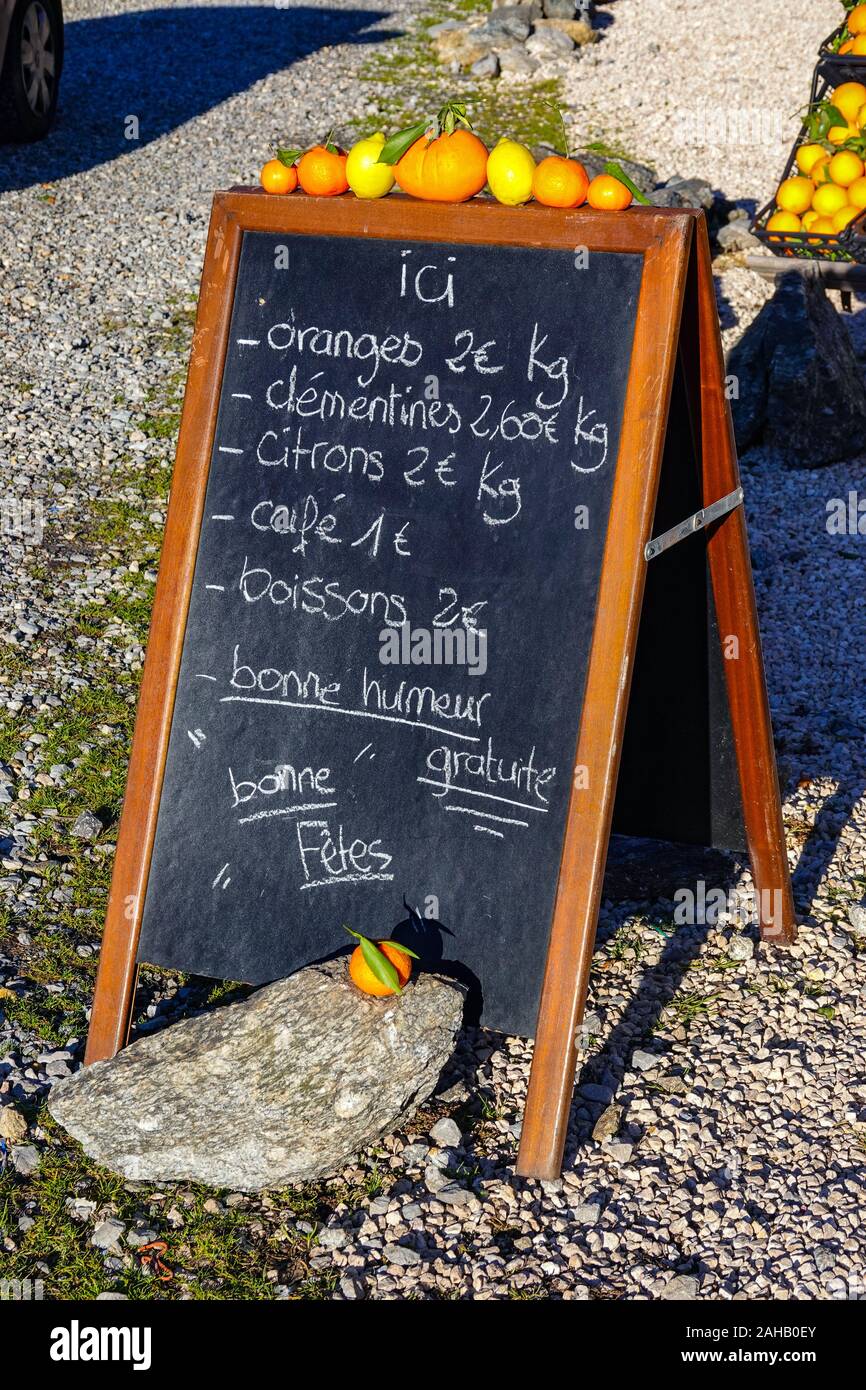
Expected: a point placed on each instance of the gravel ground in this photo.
(719, 1137)
(707, 87)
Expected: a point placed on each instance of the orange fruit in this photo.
(795, 194)
(845, 215)
(807, 156)
(361, 974)
(857, 193)
(278, 177)
(809, 219)
(848, 97)
(824, 225)
(838, 134)
(322, 172)
(820, 172)
(829, 198)
(858, 47)
(846, 46)
(857, 20)
(845, 167)
(607, 192)
(450, 169)
(783, 222)
(559, 182)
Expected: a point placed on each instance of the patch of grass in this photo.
(689, 1005)
(407, 84)
(224, 1252)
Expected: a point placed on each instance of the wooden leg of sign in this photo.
(731, 575)
(572, 939)
(605, 702)
(118, 972)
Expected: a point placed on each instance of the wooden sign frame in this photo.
(676, 313)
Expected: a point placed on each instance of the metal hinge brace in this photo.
(692, 524)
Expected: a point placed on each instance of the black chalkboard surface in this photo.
(413, 458)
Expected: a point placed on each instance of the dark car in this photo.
(31, 60)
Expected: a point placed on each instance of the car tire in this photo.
(30, 80)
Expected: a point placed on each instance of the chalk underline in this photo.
(346, 878)
(286, 811)
(487, 815)
(354, 713)
(469, 791)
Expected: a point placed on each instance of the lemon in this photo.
(510, 167)
(829, 198)
(367, 179)
(795, 194)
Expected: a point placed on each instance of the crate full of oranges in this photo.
(819, 209)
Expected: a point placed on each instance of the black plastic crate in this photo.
(837, 67)
(847, 245)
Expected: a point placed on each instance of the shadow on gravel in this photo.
(641, 870)
(163, 67)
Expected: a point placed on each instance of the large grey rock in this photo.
(797, 385)
(579, 33)
(679, 192)
(559, 9)
(641, 175)
(735, 236)
(87, 826)
(548, 43)
(488, 66)
(512, 21)
(283, 1087)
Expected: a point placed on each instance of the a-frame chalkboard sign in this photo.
(428, 456)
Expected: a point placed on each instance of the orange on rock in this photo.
(362, 976)
(277, 177)
(559, 182)
(607, 192)
(322, 171)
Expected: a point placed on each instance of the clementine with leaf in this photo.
(322, 170)
(380, 968)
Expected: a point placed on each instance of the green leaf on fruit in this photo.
(396, 146)
(398, 946)
(617, 172)
(378, 963)
(288, 157)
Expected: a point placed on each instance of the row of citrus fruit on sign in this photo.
(829, 191)
(444, 161)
